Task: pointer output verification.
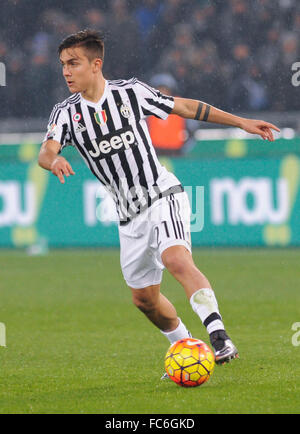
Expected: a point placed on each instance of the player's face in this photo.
(78, 71)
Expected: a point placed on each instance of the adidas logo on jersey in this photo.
(80, 129)
(113, 143)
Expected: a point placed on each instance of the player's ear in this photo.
(97, 65)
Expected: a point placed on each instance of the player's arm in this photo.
(200, 111)
(50, 160)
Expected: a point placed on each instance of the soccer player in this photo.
(106, 121)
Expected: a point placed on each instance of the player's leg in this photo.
(143, 274)
(172, 233)
(156, 307)
(178, 260)
(160, 311)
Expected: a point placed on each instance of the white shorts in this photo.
(166, 223)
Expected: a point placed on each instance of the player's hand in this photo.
(262, 128)
(60, 168)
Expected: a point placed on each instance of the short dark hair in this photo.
(91, 40)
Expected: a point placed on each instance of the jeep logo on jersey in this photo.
(113, 143)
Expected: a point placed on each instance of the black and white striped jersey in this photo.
(113, 139)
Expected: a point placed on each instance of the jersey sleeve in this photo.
(58, 128)
(153, 102)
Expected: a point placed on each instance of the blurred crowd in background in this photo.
(234, 54)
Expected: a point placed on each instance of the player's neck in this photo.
(95, 92)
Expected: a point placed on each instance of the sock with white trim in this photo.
(205, 305)
(181, 332)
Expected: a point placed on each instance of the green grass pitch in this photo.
(76, 344)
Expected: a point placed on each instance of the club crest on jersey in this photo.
(101, 117)
(77, 117)
(125, 111)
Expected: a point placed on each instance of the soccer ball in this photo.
(189, 362)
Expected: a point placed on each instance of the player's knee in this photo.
(175, 264)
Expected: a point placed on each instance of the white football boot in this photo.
(224, 349)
